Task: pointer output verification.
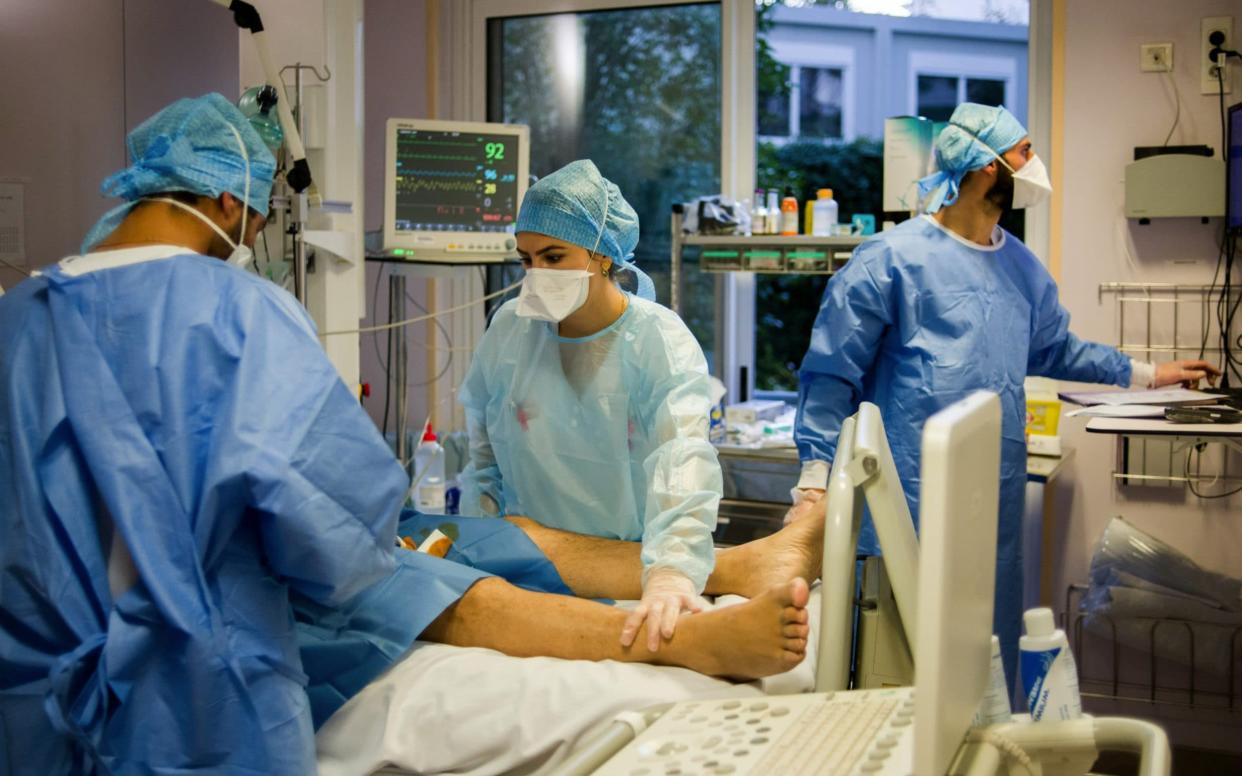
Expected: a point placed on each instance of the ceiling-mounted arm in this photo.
(247, 18)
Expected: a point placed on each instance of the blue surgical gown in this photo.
(603, 435)
(919, 319)
(186, 408)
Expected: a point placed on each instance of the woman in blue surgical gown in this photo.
(588, 407)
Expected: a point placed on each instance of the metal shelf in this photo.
(769, 254)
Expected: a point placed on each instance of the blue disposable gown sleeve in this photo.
(323, 483)
(482, 487)
(684, 482)
(1055, 351)
(855, 313)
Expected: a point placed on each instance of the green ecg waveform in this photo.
(407, 186)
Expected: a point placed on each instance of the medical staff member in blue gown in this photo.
(943, 305)
(172, 441)
(588, 406)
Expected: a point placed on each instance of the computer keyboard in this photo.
(863, 732)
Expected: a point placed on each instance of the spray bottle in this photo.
(429, 475)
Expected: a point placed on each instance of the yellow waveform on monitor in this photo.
(415, 185)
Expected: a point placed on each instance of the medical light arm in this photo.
(247, 18)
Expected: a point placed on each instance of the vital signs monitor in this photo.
(452, 189)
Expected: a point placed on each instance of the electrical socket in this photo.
(1208, 83)
(1156, 57)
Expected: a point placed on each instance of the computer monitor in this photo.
(1233, 176)
(452, 189)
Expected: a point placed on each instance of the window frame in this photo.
(797, 55)
(961, 67)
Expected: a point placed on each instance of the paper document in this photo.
(1162, 397)
(1120, 411)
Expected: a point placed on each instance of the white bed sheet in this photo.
(477, 712)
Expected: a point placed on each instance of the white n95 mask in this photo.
(552, 294)
(1030, 184)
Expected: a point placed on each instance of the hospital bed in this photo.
(476, 711)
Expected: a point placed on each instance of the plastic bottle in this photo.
(823, 213)
(994, 709)
(759, 215)
(789, 214)
(774, 213)
(429, 471)
(1049, 675)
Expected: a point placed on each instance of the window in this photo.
(810, 105)
(637, 91)
(938, 95)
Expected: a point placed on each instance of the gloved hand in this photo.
(804, 501)
(1187, 372)
(665, 596)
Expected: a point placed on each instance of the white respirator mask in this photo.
(1030, 184)
(241, 254)
(554, 294)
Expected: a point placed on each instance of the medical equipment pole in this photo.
(299, 206)
(397, 378)
(674, 302)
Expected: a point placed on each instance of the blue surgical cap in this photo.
(963, 146)
(192, 145)
(579, 205)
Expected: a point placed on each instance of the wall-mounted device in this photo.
(452, 190)
(1175, 182)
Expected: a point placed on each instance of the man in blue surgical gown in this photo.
(183, 472)
(943, 305)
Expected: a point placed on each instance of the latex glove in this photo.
(804, 501)
(665, 596)
(1187, 372)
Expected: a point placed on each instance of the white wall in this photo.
(1110, 107)
(78, 74)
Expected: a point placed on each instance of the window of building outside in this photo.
(938, 95)
(810, 104)
(800, 107)
(637, 91)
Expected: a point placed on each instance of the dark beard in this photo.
(1001, 193)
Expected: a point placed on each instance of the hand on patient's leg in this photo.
(761, 637)
(666, 595)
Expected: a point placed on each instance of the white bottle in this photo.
(823, 213)
(1049, 676)
(429, 472)
(994, 709)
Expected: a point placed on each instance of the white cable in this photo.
(1177, 97)
(421, 318)
(1004, 745)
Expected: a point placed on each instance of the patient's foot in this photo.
(764, 636)
(797, 550)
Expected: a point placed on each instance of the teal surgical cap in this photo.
(579, 205)
(196, 146)
(963, 146)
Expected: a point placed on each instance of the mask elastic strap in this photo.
(246, 189)
(989, 148)
(197, 214)
(603, 224)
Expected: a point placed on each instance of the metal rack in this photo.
(1170, 323)
(1157, 682)
(764, 254)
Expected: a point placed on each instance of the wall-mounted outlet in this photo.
(1156, 57)
(1209, 81)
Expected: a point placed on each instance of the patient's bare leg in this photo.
(594, 567)
(764, 636)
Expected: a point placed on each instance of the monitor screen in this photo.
(453, 188)
(1233, 176)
